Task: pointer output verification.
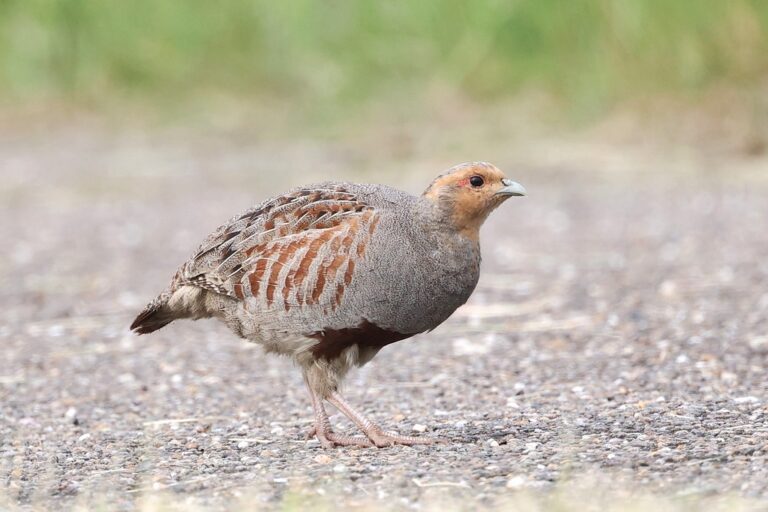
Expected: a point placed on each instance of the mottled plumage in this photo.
(329, 274)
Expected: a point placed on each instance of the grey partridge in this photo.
(329, 274)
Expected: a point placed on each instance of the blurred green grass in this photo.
(590, 54)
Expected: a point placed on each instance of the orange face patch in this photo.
(468, 191)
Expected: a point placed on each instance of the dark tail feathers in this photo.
(155, 316)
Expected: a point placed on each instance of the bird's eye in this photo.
(476, 181)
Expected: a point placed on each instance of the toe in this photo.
(326, 443)
(384, 439)
(350, 441)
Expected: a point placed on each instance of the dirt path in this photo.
(620, 328)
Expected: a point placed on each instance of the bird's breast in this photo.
(412, 285)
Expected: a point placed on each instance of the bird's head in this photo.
(467, 193)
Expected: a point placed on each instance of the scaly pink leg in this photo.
(322, 427)
(377, 436)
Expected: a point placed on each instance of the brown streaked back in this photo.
(296, 250)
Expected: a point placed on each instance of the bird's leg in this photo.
(322, 424)
(322, 427)
(377, 436)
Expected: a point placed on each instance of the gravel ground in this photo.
(620, 328)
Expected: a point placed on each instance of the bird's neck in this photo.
(451, 257)
(449, 218)
(452, 243)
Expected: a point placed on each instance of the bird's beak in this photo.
(511, 188)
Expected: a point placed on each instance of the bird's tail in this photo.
(156, 315)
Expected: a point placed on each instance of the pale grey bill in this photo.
(511, 188)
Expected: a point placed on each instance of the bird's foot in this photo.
(380, 439)
(330, 439)
(342, 440)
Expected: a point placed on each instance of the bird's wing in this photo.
(297, 249)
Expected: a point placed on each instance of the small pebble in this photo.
(746, 400)
(517, 482)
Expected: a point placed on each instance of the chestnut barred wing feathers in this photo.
(294, 250)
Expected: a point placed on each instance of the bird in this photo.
(329, 274)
